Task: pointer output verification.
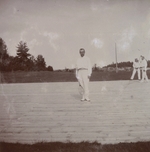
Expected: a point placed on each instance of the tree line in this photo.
(23, 61)
(125, 64)
(121, 64)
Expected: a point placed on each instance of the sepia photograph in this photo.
(74, 76)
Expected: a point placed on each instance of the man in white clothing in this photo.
(136, 68)
(143, 66)
(83, 73)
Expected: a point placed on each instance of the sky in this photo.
(57, 29)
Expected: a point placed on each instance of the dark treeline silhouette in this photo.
(121, 64)
(23, 61)
(148, 63)
(125, 64)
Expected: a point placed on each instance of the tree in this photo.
(32, 63)
(10, 66)
(22, 58)
(121, 64)
(3, 49)
(50, 68)
(40, 63)
(4, 56)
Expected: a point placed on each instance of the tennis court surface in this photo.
(119, 111)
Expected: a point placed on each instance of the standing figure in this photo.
(136, 68)
(143, 66)
(83, 73)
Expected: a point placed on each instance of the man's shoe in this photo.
(82, 99)
(88, 100)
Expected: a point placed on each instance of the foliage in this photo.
(50, 68)
(4, 56)
(23, 61)
(40, 63)
(3, 49)
(121, 64)
(22, 51)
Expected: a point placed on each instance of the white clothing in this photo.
(134, 72)
(143, 65)
(136, 68)
(84, 63)
(136, 64)
(84, 82)
(83, 71)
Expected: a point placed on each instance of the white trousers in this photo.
(84, 82)
(134, 72)
(144, 74)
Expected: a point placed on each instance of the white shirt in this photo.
(143, 64)
(84, 62)
(136, 64)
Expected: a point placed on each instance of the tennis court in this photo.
(119, 111)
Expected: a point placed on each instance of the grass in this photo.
(46, 76)
(75, 147)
